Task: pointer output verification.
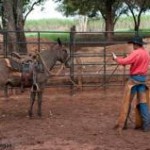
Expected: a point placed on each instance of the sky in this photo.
(48, 12)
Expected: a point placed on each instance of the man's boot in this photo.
(145, 115)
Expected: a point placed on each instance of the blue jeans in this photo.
(140, 87)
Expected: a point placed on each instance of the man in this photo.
(139, 61)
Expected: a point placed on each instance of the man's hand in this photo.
(114, 56)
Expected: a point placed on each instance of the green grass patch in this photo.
(52, 29)
(50, 36)
(125, 23)
(49, 24)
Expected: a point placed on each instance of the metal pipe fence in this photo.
(96, 67)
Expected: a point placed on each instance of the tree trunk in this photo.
(19, 22)
(9, 26)
(136, 28)
(83, 20)
(109, 29)
(137, 22)
(109, 22)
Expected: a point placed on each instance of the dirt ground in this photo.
(82, 121)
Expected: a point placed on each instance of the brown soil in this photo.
(83, 121)
(33, 44)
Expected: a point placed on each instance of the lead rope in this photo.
(46, 68)
(43, 62)
(59, 71)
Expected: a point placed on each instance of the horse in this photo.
(41, 65)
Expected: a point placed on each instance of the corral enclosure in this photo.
(82, 121)
(92, 60)
(91, 57)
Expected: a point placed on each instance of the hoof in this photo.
(30, 114)
(39, 114)
(147, 129)
(125, 127)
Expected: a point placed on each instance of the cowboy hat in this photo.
(137, 40)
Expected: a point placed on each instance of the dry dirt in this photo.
(83, 121)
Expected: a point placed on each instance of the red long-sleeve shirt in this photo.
(139, 60)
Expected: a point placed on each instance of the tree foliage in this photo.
(28, 6)
(137, 7)
(14, 20)
(110, 10)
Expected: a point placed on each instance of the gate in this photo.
(95, 52)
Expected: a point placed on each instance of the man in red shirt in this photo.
(139, 61)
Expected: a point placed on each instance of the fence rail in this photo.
(92, 48)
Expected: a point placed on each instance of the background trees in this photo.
(136, 8)
(110, 10)
(14, 20)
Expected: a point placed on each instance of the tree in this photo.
(137, 7)
(14, 20)
(9, 24)
(110, 10)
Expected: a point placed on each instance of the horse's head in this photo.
(63, 53)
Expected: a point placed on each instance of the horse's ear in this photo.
(59, 42)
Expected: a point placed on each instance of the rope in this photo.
(43, 62)
(59, 71)
(47, 69)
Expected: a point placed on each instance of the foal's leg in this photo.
(80, 84)
(40, 95)
(32, 100)
(6, 91)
